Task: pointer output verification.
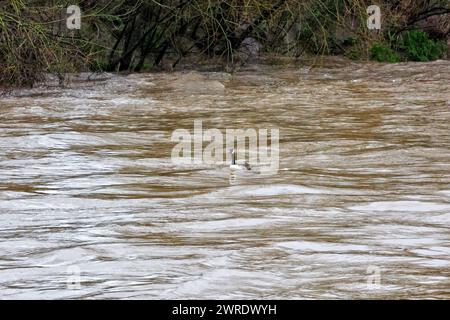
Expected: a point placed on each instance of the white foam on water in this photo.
(409, 206)
(262, 191)
(322, 246)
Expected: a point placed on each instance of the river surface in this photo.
(91, 205)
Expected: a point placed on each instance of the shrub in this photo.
(384, 53)
(417, 46)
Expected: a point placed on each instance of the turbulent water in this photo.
(360, 207)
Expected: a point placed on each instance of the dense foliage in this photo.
(135, 35)
(417, 46)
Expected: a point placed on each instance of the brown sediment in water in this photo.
(87, 181)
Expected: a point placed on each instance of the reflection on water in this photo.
(87, 181)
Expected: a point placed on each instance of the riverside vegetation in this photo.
(137, 35)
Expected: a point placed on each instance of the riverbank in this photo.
(191, 72)
(137, 36)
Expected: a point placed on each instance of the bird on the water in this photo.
(235, 166)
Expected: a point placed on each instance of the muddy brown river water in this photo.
(360, 207)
